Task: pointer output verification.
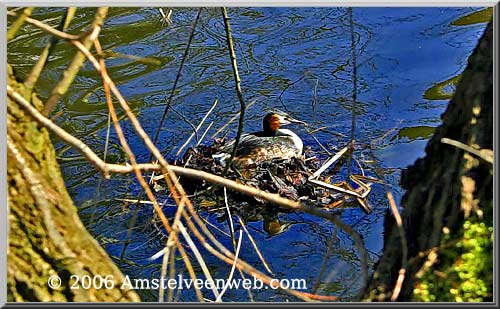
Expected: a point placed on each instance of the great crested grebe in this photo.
(271, 143)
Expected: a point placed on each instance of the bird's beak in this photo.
(292, 120)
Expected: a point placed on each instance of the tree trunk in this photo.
(46, 236)
(446, 188)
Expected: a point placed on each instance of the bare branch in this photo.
(136, 169)
(62, 134)
(485, 155)
(70, 73)
(404, 245)
(195, 132)
(11, 33)
(48, 29)
(42, 60)
(177, 77)
(354, 87)
(237, 81)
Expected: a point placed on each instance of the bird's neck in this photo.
(270, 132)
(296, 139)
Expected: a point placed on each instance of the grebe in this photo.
(271, 143)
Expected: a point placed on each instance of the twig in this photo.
(360, 167)
(177, 77)
(360, 200)
(166, 256)
(323, 129)
(237, 81)
(314, 95)
(288, 86)
(107, 83)
(325, 261)
(354, 87)
(404, 245)
(42, 60)
(202, 137)
(186, 121)
(165, 18)
(329, 162)
(203, 266)
(229, 218)
(48, 29)
(197, 144)
(215, 227)
(334, 187)
(72, 70)
(195, 132)
(228, 280)
(108, 132)
(231, 120)
(171, 274)
(11, 33)
(486, 156)
(320, 144)
(252, 241)
(142, 133)
(139, 201)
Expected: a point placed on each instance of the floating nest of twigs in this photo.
(285, 177)
(306, 179)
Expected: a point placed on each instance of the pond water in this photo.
(298, 60)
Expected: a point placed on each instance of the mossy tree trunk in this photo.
(46, 237)
(445, 189)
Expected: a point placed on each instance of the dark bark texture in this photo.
(449, 184)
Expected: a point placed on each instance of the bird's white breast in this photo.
(296, 139)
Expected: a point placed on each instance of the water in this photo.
(293, 59)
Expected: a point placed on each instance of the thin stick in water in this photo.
(237, 81)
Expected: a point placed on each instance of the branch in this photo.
(137, 171)
(42, 60)
(354, 88)
(485, 155)
(404, 245)
(59, 132)
(70, 73)
(50, 30)
(177, 77)
(237, 81)
(180, 198)
(11, 33)
(107, 168)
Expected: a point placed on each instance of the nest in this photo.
(290, 178)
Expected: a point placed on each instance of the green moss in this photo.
(34, 141)
(464, 272)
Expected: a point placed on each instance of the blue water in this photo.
(293, 59)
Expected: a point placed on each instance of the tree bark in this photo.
(447, 186)
(46, 237)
